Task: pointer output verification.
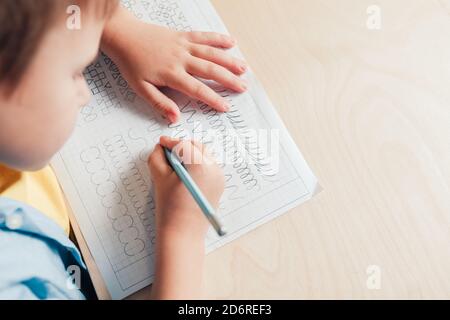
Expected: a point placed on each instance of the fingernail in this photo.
(243, 68)
(244, 85)
(226, 107)
(173, 117)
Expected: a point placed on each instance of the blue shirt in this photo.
(37, 259)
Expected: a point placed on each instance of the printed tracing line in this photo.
(162, 12)
(110, 186)
(126, 199)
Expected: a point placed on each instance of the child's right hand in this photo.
(176, 211)
(180, 225)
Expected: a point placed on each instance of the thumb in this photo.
(169, 142)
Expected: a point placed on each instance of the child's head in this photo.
(41, 82)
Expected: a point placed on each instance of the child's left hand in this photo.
(151, 56)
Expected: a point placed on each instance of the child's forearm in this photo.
(179, 266)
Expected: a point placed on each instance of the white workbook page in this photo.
(103, 167)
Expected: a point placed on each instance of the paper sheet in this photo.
(103, 169)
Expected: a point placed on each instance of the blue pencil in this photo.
(194, 190)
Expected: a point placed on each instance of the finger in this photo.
(194, 88)
(169, 142)
(212, 39)
(180, 147)
(208, 70)
(200, 146)
(220, 57)
(191, 154)
(203, 148)
(157, 163)
(159, 101)
(189, 151)
(207, 156)
(183, 149)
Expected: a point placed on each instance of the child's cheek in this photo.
(61, 116)
(83, 93)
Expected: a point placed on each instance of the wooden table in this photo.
(370, 110)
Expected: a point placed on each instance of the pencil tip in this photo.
(222, 232)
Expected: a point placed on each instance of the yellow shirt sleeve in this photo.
(38, 189)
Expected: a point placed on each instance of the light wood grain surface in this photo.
(370, 111)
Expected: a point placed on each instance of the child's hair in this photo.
(23, 24)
